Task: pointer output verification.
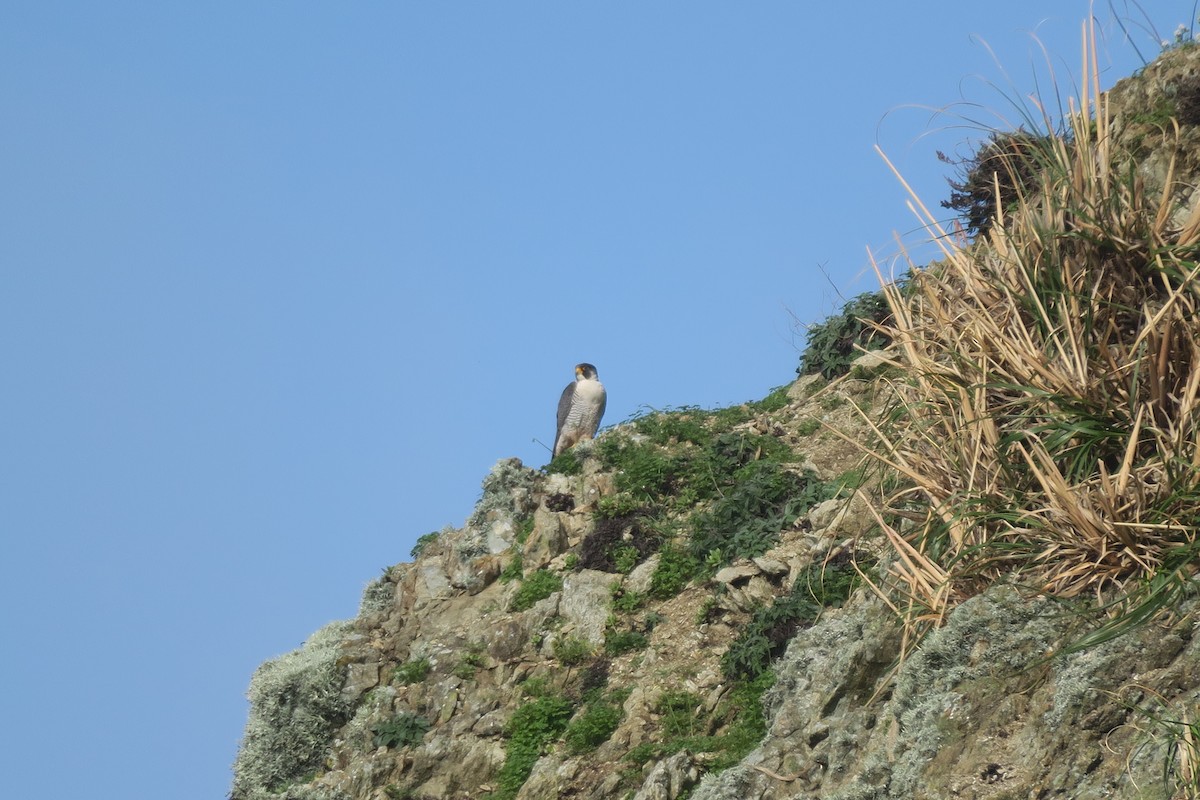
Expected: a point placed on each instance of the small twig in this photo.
(776, 775)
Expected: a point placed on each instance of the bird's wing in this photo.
(564, 408)
(600, 411)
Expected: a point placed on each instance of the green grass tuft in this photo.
(403, 730)
(595, 725)
(537, 586)
(412, 671)
(767, 634)
(621, 642)
(833, 343)
(532, 727)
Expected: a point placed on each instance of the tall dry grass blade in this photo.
(1049, 419)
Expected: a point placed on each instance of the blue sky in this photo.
(279, 282)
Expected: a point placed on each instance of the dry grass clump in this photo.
(1049, 427)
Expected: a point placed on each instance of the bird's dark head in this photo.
(585, 372)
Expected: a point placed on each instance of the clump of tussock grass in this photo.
(1048, 430)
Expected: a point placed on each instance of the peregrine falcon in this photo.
(579, 409)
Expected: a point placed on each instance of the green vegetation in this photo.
(808, 427)
(513, 570)
(761, 499)
(595, 724)
(534, 725)
(537, 586)
(472, 660)
(626, 602)
(643, 471)
(566, 463)
(625, 558)
(735, 489)
(1178, 734)
(403, 730)
(836, 341)
(675, 569)
(679, 717)
(423, 542)
(766, 636)
(618, 505)
(746, 723)
(686, 457)
(739, 718)
(619, 543)
(524, 528)
(571, 651)
(621, 642)
(776, 400)
(412, 671)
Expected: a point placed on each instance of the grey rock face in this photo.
(669, 778)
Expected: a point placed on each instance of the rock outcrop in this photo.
(987, 706)
(697, 604)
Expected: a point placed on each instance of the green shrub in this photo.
(832, 344)
(412, 671)
(423, 542)
(641, 470)
(618, 543)
(739, 719)
(687, 424)
(767, 634)
(625, 558)
(620, 642)
(626, 602)
(571, 651)
(745, 522)
(566, 463)
(524, 528)
(513, 570)
(675, 569)
(537, 586)
(808, 426)
(746, 722)
(532, 726)
(775, 401)
(594, 726)
(618, 505)
(471, 661)
(678, 714)
(403, 730)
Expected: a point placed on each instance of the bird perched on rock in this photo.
(579, 409)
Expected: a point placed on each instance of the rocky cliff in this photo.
(703, 604)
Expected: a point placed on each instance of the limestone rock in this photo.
(359, 679)
(639, 579)
(548, 539)
(669, 778)
(739, 573)
(585, 604)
